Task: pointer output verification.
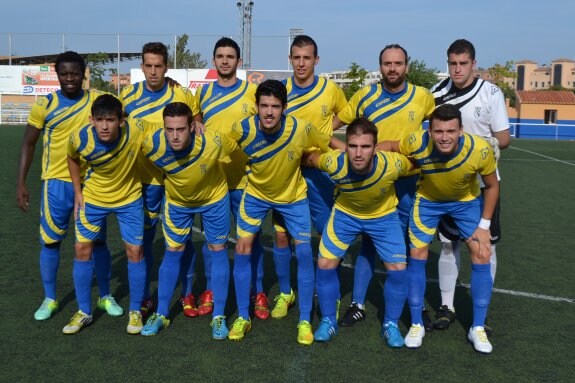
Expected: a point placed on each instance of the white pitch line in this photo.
(465, 285)
(544, 156)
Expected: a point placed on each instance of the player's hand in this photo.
(23, 198)
(482, 237)
(78, 205)
(172, 83)
(495, 146)
(199, 128)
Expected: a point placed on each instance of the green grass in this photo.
(532, 339)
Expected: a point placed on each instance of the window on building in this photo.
(550, 116)
(536, 82)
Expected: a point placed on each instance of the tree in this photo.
(96, 62)
(499, 73)
(184, 58)
(420, 74)
(357, 76)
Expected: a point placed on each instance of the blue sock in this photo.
(363, 269)
(481, 287)
(327, 286)
(416, 288)
(49, 262)
(149, 234)
(103, 266)
(282, 260)
(220, 279)
(82, 273)
(257, 261)
(137, 283)
(242, 278)
(187, 268)
(305, 279)
(167, 279)
(394, 294)
(207, 265)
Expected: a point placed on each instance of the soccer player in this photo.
(109, 146)
(146, 100)
(365, 203)
(222, 103)
(397, 108)
(450, 161)
(483, 113)
(316, 100)
(195, 184)
(56, 116)
(274, 144)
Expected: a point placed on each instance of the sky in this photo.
(501, 30)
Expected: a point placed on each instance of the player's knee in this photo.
(282, 239)
(327, 263)
(395, 266)
(216, 247)
(134, 253)
(244, 246)
(419, 253)
(83, 250)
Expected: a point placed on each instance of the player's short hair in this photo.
(177, 109)
(393, 46)
(106, 104)
(70, 57)
(445, 112)
(227, 42)
(301, 41)
(273, 88)
(156, 48)
(359, 126)
(461, 46)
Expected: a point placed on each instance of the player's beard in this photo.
(394, 83)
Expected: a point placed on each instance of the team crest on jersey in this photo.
(383, 191)
(307, 128)
(290, 155)
(204, 168)
(398, 165)
(412, 138)
(484, 153)
(131, 153)
(477, 112)
(218, 140)
(328, 162)
(140, 124)
(245, 108)
(324, 110)
(411, 116)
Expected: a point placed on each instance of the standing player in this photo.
(316, 100)
(195, 184)
(112, 185)
(397, 108)
(274, 144)
(222, 103)
(483, 111)
(146, 100)
(56, 116)
(366, 203)
(450, 161)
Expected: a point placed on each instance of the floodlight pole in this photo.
(245, 7)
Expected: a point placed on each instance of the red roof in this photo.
(561, 97)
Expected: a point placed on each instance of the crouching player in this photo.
(195, 184)
(109, 146)
(365, 204)
(450, 161)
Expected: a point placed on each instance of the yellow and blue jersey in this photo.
(452, 177)
(192, 175)
(365, 196)
(58, 116)
(274, 173)
(396, 115)
(317, 103)
(111, 178)
(142, 103)
(221, 107)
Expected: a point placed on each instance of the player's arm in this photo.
(198, 125)
(336, 143)
(31, 136)
(310, 159)
(490, 197)
(74, 169)
(388, 146)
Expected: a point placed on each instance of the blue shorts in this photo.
(56, 207)
(235, 201)
(426, 214)
(92, 220)
(405, 191)
(342, 229)
(295, 215)
(177, 222)
(320, 194)
(152, 196)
